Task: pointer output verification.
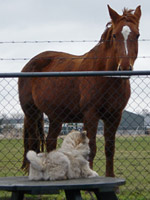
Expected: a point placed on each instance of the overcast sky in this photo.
(58, 20)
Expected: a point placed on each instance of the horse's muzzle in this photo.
(121, 68)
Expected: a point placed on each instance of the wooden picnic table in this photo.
(103, 187)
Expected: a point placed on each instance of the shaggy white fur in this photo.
(68, 162)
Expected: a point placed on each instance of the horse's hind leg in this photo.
(32, 137)
(54, 131)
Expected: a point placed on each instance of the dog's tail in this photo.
(35, 160)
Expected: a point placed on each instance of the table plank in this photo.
(23, 183)
(104, 187)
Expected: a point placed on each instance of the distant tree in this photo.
(1, 123)
(145, 112)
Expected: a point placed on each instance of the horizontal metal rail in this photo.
(74, 74)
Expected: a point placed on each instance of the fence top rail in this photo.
(120, 74)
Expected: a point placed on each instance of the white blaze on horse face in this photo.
(125, 32)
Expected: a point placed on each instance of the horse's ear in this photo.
(113, 14)
(137, 12)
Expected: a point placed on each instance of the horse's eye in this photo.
(138, 35)
(114, 36)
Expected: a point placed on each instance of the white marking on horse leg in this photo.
(125, 32)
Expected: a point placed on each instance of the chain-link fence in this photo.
(132, 152)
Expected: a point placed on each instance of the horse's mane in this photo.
(107, 34)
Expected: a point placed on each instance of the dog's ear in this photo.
(83, 134)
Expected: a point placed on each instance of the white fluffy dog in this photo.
(68, 162)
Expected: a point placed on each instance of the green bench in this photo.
(103, 187)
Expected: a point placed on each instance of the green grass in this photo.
(132, 162)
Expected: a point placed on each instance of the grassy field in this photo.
(132, 162)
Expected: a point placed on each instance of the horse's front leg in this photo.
(54, 131)
(110, 127)
(90, 125)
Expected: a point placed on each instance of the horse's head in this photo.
(124, 36)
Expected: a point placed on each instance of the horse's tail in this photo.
(33, 136)
(40, 125)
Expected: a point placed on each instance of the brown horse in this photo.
(81, 99)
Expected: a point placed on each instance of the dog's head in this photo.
(77, 140)
(77, 137)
